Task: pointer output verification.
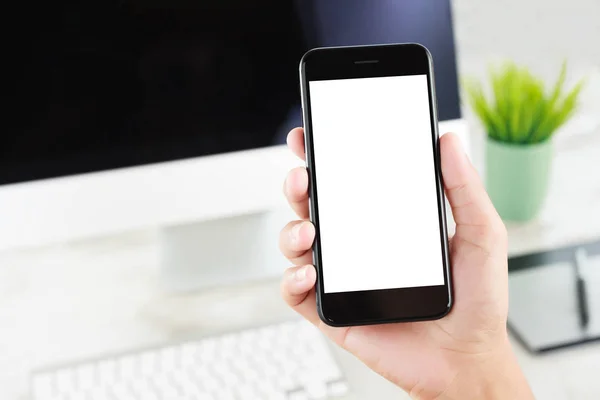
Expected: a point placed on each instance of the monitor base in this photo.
(223, 251)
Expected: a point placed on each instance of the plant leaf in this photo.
(515, 99)
(483, 111)
(559, 115)
(558, 85)
(520, 110)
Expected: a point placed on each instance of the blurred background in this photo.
(141, 164)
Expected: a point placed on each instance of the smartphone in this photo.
(375, 188)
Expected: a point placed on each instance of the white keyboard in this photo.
(288, 361)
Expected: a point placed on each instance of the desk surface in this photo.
(85, 299)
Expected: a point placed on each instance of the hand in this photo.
(465, 355)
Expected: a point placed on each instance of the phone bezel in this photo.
(387, 305)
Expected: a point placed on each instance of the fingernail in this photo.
(295, 233)
(300, 274)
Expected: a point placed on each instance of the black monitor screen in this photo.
(92, 85)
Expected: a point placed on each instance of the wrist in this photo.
(495, 376)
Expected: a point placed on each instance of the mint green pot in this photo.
(517, 178)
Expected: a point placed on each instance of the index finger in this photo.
(295, 141)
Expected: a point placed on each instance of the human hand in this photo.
(464, 355)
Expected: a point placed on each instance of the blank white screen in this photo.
(375, 176)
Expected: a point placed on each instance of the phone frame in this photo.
(385, 305)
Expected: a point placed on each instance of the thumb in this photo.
(473, 212)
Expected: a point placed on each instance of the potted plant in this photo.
(520, 116)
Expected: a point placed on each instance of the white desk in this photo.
(81, 300)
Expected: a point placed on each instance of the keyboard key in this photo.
(65, 382)
(126, 367)
(147, 363)
(210, 384)
(107, 372)
(100, 394)
(85, 377)
(249, 337)
(298, 395)
(205, 396)
(248, 392)
(141, 386)
(286, 383)
(164, 386)
(230, 379)
(122, 392)
(168, 359)
(206, 350)
(268, 390)
(226, 393)
(338, 389)
(316, 390)
(43, 386)
(152, 396)
(188, 386)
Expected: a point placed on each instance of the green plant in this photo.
(520, 109)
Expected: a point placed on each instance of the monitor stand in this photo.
(223, 251)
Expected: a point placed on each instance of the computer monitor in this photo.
(172, 114)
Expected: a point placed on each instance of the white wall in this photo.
(537, 33)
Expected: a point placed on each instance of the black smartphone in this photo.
(375, 187)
